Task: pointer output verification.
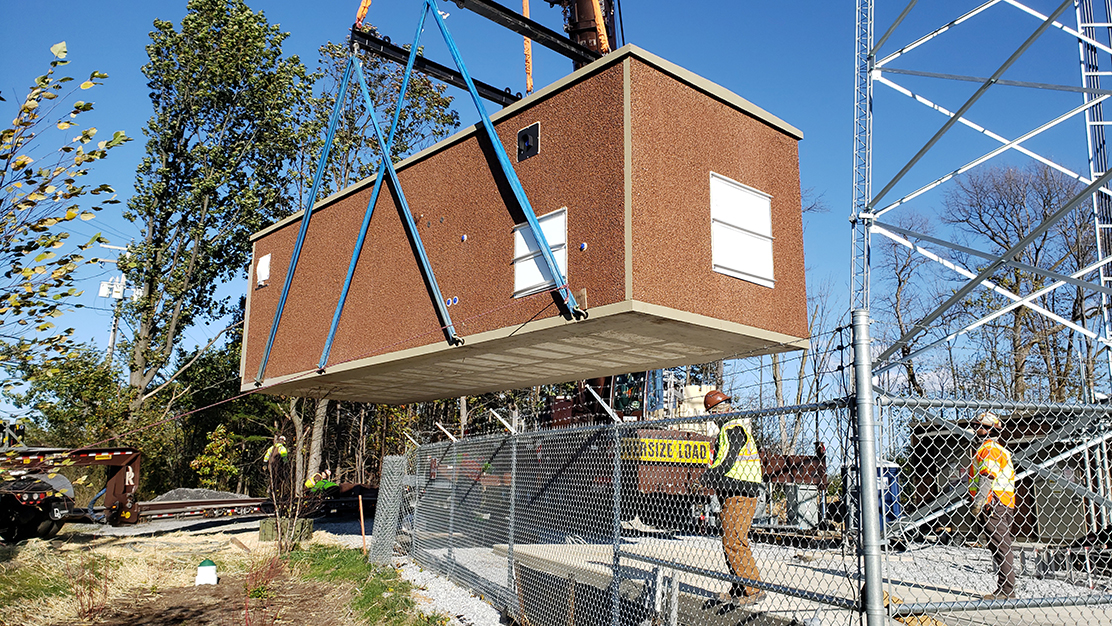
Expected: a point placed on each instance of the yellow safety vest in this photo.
(279, 447)
(747, 466)
(995, 462)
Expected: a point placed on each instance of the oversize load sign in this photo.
(668, 451)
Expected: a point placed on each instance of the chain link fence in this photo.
(610, 517)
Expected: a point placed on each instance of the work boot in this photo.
(738, 595)
(998, 595)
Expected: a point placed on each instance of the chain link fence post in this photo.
(513, 514)
(869, 503)
(453, 456)
(616, 478)
(385, 529)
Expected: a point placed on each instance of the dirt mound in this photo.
(287, 601)
(182, 493)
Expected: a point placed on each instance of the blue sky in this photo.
(793, 59)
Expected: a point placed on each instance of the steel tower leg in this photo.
(1098, 159)
(862, 156)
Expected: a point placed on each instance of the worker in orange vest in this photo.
(992, 488)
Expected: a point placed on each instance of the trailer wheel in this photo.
(48, 529)
(22, 530)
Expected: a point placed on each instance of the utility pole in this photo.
(113, 288)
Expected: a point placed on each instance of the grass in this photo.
(25, 581)
(382, 596)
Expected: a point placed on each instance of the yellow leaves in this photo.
(87, 84)
(86, 216)
(59, 50)
(22, 161)
(64, 125)
(70, 214)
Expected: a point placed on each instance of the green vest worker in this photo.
(735, 476)
(319, 483)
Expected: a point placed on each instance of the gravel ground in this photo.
(437, 594)
(433, 593)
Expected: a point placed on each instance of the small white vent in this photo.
(531, 274)
(741, 231)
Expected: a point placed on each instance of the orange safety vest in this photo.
(992, 460)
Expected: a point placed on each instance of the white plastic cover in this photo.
(262, 270)
(741, 231)
(530, 272)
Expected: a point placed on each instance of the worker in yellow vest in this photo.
(276, 451)
(992, 488)
(735, 476)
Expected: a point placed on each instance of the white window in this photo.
(262, 271)
(530, 271)
(741, 231)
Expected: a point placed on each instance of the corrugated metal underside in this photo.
(626, 337)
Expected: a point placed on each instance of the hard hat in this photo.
(988, 419)
(714, 398)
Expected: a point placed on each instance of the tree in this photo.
(39, 195)
(426, 118)
(235, 130)
(999, 207)
(216, 464)
(218, 142)
(208, 389)
(75, 401)
(906, 272)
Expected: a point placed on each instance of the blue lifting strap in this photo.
(308, 212)
(359, 240)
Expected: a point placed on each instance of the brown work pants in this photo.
(737, 516)
(997, 522)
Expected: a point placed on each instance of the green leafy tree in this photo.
(205, 387)
(223, 131)
(215, 465)
(40, 192)
(74, 401)
(426, 118)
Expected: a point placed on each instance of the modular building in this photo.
(671, 205)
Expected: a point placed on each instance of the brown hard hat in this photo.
(714, 398)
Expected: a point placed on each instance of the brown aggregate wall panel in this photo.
(626, 144)
(679, 135)
(452, 192)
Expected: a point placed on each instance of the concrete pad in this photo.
(591, 564)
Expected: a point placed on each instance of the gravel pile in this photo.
(181, 493)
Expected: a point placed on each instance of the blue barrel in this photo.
(888, 482)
